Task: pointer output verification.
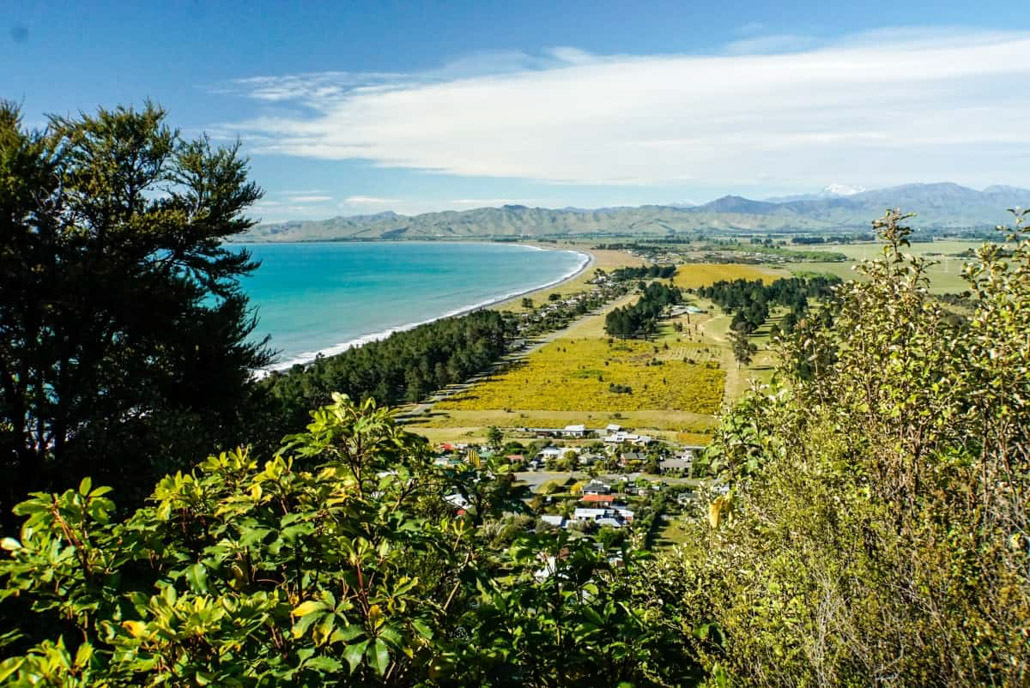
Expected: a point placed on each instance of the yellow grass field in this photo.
(575, 374)
(691, 275)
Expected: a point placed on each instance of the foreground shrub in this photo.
(876, 529)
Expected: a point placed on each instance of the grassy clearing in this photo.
(673, 422)
(576, 374)
(945, 275)
(566, 381)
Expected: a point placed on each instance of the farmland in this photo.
(672, 387)
(945, 275)
(691, 275)
(579, 375)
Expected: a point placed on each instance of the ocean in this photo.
(326, 297)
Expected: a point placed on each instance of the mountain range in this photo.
(938, 206)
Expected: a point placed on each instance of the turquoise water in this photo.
(324, 297)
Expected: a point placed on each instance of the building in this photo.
(602, 517)
(556, 521)
(675, 464)
(597, 487)
(598, 499)
(574, 431)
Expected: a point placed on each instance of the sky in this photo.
(354, 107)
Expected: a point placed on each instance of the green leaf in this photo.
(85, 485)
(379, 656)
(423, 629)
(83, 654)
(324, 664)
(349, 633)
(196, 575)
(354, 653)
(309, 607)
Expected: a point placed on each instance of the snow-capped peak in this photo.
(841, 190)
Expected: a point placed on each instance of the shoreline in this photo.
(307, 357)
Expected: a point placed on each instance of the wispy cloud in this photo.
(878, 108)
(311, 199)
(368, 201)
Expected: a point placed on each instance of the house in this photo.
(633, 457)
(602, 517)
(574, 431)
(626, 513)
(642, 440)
(588, 459)
(675, 464)
(598, 499)
(596, 487)
(612, 428)
(549, 453)
(590, 514)
(556, 521)
(618, 437)
(516, 458)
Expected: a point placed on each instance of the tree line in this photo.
(749, 300)
(640, 272)
(403, 367)
(641, 318)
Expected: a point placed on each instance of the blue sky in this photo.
(356, 107)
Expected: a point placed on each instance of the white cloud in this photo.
(368, 200)
(310, 199)
(879, 108)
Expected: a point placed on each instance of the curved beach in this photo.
(586, 261)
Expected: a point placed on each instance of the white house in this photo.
(612, 428)
(556, 521)
(619, 436)
(596, 487)
(574, 431)
(551, 453)
(603, 517)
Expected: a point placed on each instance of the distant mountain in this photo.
(942, 205)
(831, 191)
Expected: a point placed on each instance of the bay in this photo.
(325, 297)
